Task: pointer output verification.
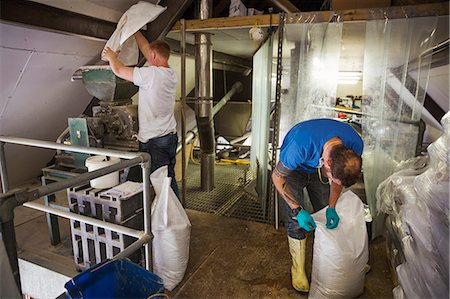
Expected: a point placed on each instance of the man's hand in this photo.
(305, 221)
(332, 218)
(119, 69)
(108, 54)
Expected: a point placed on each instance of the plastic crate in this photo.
(115, 279)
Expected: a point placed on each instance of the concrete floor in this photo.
(229, 258)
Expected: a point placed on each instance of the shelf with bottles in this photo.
(349, 102)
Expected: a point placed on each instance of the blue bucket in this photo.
(115, 279)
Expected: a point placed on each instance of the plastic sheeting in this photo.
(394, 68)
(416, 197)
(311, 83)
(262, 90)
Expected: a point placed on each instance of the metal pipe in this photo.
(236, 88)
(183, 114)
(276, 120)
(203, 107)
(9, 237)
(147, 204)
(203, 67)
(189, 137)
(14, 198)
(61, 137)
(92, 221)
(3, 171)
(79, 179)
(145, 239)
(69, 148)
(205, 9)
(239, 139)
(205, 126)
(285, 5)
(207, 143)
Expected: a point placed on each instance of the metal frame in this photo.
(9, 200)
(52, 220)
(276, 117)
(49, 175)
(183, 113)
(89, 220)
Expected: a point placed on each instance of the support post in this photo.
(147, 213)
(7, 204)
(183, 114)
(3, 172)
(52, 220)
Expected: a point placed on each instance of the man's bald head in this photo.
(345, 165)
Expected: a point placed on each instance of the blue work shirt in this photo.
(303, 145)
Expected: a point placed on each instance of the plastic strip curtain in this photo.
(262, 90)
(312, 48)
(395, 61)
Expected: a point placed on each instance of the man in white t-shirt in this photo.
(157, 83)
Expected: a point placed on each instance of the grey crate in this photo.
(92, 244)
(87, 201)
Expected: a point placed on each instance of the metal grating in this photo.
(228, 198)
(247, 208)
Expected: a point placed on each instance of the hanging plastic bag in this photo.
(340, 254)
(171, 229)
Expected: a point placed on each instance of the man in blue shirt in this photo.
(315, 155)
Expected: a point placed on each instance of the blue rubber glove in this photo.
(332, 218)
(305, 221)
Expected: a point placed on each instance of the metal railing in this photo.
(10, 199)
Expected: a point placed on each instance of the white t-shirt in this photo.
(157, 87)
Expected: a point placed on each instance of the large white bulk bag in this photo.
(171, 229)
(340, 254)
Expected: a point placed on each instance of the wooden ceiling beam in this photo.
(228, 23)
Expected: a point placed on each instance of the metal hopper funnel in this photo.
(101, 83)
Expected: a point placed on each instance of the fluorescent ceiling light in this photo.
(350, 78)
(348, 81)
(350, 74)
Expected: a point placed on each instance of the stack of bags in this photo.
(416, 199)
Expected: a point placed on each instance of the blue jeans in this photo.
(318, 193)
(162, 152)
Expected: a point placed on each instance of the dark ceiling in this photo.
(221, 7)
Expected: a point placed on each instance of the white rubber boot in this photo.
(297, 248)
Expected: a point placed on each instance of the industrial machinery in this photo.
(111, 122)
(114, 121)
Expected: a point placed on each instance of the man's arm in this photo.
(279, 181)
(119, 69)
(143, 44)
(335, 192)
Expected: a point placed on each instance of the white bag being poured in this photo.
(171, 229)
(340, 254)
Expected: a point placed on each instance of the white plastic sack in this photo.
(131, 21)
(340, 254)
(171, 229)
